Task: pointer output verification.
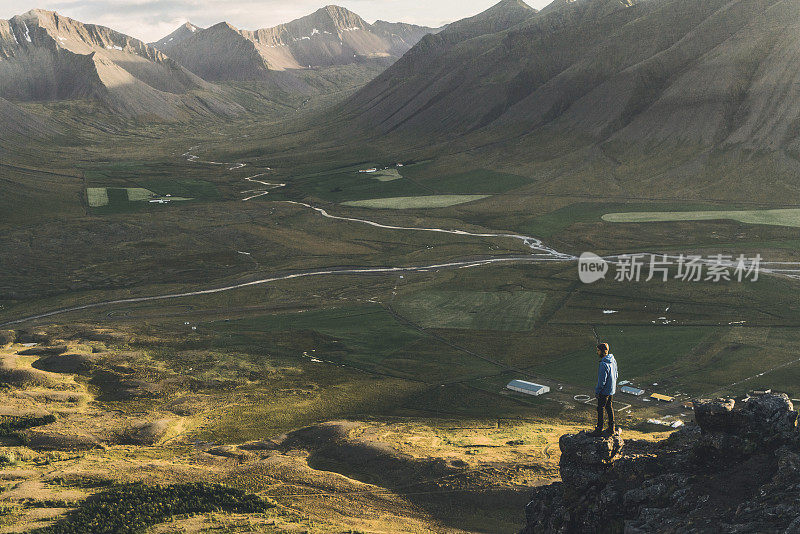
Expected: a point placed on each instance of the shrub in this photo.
(10, 425)
(132, 508)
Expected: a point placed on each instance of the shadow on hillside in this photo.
(449, 491)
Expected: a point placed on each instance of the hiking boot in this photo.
(597, 433)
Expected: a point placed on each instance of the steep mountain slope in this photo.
(427, 80)
(327, 37)
(48, 57)
(19, 125)
(711, 71)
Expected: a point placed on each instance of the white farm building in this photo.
(529, 388)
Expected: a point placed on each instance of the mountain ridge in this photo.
(47, 57)
(329, 36)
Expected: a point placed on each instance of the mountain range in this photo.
(330, 36)
(711, 71)
(47, 57)
(708, 73)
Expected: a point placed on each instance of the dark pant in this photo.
(604, 402)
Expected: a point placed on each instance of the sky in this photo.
(151, 20)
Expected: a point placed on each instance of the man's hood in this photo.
(608, 358)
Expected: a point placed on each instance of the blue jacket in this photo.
(607, 376)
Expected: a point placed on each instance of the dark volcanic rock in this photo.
(715, 415)
(769, 414)
(730, 434)
(585, 459)
(737, 471)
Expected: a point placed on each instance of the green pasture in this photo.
(472, 310)
(138, 194)
(187, 188)
(551, 223)
(103, 196)
(344, 186)
(776, 217)
(417, 179)
(422, 202)
(640, 351)
(751, 357)
(365, 337)
(482, 181)
(126, 186)
(127, 173)
(121, 198)
(97, 196)
(384, 175)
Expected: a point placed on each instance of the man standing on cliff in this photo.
(605, 389)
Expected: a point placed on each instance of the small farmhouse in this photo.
(529, 388)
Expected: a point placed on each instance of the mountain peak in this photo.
(39, 11)
(224, 26)
(185, 30)
(37, 15)
(509, 6)
(513, 4)
(36, 12)
(497, 18)
(332, 8)
(341, 17)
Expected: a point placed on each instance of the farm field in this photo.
(408, 203)
(385, 175)
(118, 196)
(778, 217)
(413, 179)
(473, 310)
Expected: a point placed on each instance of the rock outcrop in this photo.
(737, 470)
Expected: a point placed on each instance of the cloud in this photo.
(150, 20)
